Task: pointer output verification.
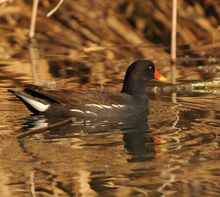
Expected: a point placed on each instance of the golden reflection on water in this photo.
(175, 150)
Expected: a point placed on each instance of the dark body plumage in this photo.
(66, 103)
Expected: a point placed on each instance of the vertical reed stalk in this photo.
(173, 35)
(33, 19)
(173, 47)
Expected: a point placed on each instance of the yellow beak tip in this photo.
(162, 78)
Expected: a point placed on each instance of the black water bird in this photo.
(132, 99)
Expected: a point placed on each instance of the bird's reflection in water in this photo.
(138, 144)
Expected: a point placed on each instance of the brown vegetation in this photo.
(90, 24)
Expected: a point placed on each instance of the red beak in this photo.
(158, 76)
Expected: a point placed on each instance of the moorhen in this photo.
(132, 99)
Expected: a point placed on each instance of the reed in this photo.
(104, 23)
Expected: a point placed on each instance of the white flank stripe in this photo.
(89, 112)
(77, 110)
(35, 104)
(106, 106)
(94, 105)
(117, 106)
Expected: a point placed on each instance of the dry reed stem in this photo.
(55, 9)
(173, 35)
(33, 19)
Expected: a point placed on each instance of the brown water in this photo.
(173, 151)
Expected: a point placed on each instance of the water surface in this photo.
(172, 151)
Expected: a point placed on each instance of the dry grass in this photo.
(90, 24)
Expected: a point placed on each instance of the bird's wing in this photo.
(73, 98)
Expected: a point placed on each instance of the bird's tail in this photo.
(32, 104)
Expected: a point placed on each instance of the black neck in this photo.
(134, 86)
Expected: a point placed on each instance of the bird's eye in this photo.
(150, 67)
